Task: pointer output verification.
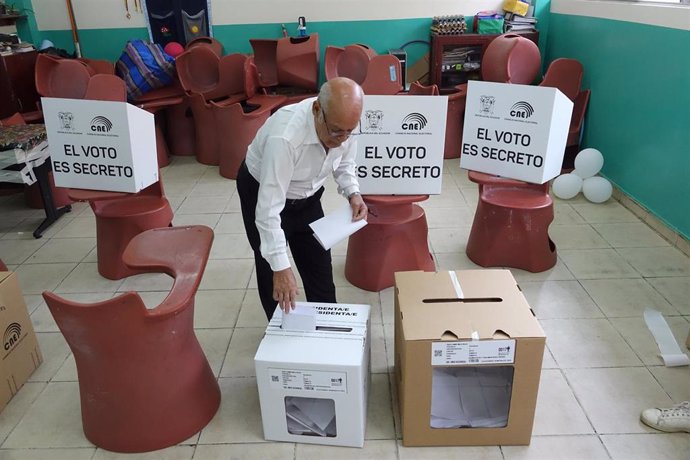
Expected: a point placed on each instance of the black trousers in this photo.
(312, 260)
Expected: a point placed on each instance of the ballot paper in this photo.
(301, 318)
(669, 350)
(310, 416)
(476, 397)
(335, 227)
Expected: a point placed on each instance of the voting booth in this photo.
(400, 145)
(468, 355)
(100, 145)
(313, 374)
(515, 131)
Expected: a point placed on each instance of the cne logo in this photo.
(414, 121)
(101, 125)
(521, 109)
(12, 335)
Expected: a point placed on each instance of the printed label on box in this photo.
(291, 379)
(473, 352)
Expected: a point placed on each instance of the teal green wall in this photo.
(639, 111)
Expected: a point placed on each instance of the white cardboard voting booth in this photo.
(100, 145)
(313, 385)
(515, 131)
(400, 145)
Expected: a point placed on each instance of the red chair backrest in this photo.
(297, 62)
(566, 75)
(265, 52)
(197, 69)
(417, 89)
(105, 87)
(511, 58)
(212, 43)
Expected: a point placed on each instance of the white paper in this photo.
(335, 227)
(302, 318)
(669, 350)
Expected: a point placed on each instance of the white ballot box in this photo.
(515, 131)
(313, 385)
(100, 145)
(468, 354)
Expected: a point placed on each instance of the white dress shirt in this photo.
(289, 162)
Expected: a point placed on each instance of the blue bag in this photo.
(144, 66)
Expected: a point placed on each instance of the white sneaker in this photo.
(672, 420)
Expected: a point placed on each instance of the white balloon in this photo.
(588, 163)
(567, 186)
(597, 189)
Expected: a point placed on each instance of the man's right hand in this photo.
(285, 289)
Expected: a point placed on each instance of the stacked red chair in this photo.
(511, 224)
(395, 239)
(144, 381)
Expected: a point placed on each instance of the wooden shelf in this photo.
(9, 19)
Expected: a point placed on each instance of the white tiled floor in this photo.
(600, 370)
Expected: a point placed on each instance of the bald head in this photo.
(341, 97)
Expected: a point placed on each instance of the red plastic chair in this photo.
(57, 77)
(566, 75)
(351, 62)
(287, 66)
(395, 239)
(265, 56)
(511, 58)
(159, 101)
(144, 381)
(510, 227)
(211, 42)
(297, 62)
(99, 66)
(119, 218)
(239, 124)
(417, 89)
(384, 76)
(106, 87)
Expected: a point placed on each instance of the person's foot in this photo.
(671, 420)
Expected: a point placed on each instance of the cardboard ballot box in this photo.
(20, 353)
(515, 131)
(468, 354)
(313, 385)
(100, 145)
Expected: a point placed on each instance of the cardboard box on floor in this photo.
(325, 370)
(20, 352)
(475, 319)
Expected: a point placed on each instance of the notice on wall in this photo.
(400, 143)
(100, 145)
(515, 131)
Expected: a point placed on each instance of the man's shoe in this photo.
(672, 420)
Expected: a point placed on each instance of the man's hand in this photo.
(359, 208)
(285, 289)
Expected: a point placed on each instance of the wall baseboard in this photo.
(676, 239)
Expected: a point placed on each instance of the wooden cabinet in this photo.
(17, 87)
(457, 58)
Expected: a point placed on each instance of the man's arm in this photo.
(276, 172)
(346, 178)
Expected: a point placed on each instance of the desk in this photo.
(24, 158)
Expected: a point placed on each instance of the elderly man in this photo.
(280, 185)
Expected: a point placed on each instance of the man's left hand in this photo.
(359, 208)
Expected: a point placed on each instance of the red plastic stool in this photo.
(510, 227)
(144, 380)
(119, 218)
(394, 240)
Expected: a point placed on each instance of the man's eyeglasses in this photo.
(334, 133)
